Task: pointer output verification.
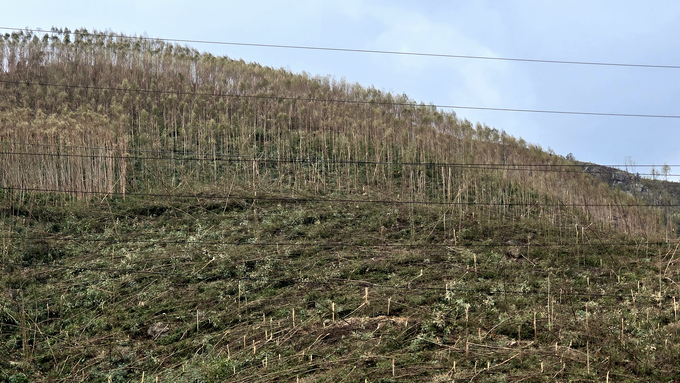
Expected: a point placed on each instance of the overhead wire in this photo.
(218, 154)
(177, 156)
(407, 287)
(373, 102)
(340, 200)
(325, 100)
(353, 50)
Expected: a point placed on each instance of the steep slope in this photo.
(108, 114)
(177, 216)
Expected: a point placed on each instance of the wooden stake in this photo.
(535, 331)
(366, 295)
(552, 311)
(621, 329)
(528, 249)
(393, 368)
(475, 258)
(333, 310)
(519, 341)
(22, 323)
(549, 318)
(588, 357)
(389, 300)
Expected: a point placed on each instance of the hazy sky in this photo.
(603, 31)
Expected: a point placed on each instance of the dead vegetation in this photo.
(172, 216)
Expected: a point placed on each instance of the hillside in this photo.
(651, 191)
(168, 215)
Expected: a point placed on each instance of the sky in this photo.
(620, 31)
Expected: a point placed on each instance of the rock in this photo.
(158, 330)
(640, 188)
(619, 178)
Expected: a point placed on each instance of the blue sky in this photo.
(604, 31)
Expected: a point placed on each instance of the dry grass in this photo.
(511, 279)
(86, 299)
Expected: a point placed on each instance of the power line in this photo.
(355, 102)
(340, 200)
(237, 158)
(208, 155)
(356, 50)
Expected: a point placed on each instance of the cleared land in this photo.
(173, 216)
